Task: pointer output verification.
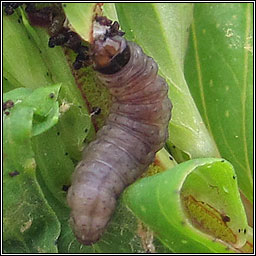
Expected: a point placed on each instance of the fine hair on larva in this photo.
(136, 128)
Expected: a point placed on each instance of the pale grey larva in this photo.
(136, 128)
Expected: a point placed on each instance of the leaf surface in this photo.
(218, 69)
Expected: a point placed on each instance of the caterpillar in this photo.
(136, 128)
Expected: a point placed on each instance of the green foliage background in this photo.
(204, 51)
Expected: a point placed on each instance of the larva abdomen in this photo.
(136, 128)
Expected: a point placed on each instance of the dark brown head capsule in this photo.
(110, 54)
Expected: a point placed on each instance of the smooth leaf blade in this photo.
(168, 51)
(80, 15)
(157, 202)
(109, 10)
(219, 72)
(18, 66)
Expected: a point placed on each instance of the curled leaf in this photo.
(194, 207)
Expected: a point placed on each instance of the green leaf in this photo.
(54, 163)
(198, 191)
(80, 15)
(30, 225)
(22, 62)
(41, 102)
(109, 10)
(218, 69)
(162, 31)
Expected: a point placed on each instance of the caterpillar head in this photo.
(109, 50)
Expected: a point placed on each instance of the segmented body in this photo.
(136, 128)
